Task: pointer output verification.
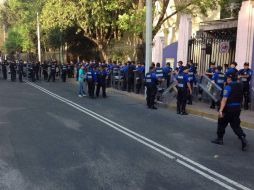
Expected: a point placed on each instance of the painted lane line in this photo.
(127, 131)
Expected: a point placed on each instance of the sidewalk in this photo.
(198, 108)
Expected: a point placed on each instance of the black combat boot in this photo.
(218, 141)
(244, 143)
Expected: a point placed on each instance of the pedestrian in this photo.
(102, 76)
(151, 81)
(245, 76)
(183, 84)
(81, 82)
(230, 111)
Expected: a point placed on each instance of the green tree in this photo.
(98, 19)
(134, 20)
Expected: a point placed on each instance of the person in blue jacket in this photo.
(91, 78)
(167, 71)
(102, 76)
(245, 76)
(219, 79)
(151, 81)
(183, 84)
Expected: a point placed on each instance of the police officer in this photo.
(52, 74)
(159, 71)
(151, 81)
(219, 79)
(45, 70)
(102, 76)
(131, 69)
(183, 84)
(4, 69)
(211, 70)
(230, 111)
(180, 67)
(167, 70)
(37, 70)
(13, 71)
(245, 76)
(64, 70)
(232, 69)
(91, 79)
(124, 71)
(192, 72)
(140, 71)
(20, 70)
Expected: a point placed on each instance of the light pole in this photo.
(39, 38)
(149, 28)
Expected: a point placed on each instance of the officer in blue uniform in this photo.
(4, 69)
(124, 70)
(102, 76)
(52, 73)
(159, 71)
(20, 70)
(183, 84)
(64, 71)
(45, 70)
(91, 79)
(211, 70)
(167, 70)
(140, 71)
(219, 79)
(192, 72)
(13, 68)
(232, 69)
(230, 110)
(180, 67)
(245, 76)
(151, 82)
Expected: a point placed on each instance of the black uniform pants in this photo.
(182, 99)
(91, 88)
(13, 75)
(20, 76)
(37, 75)
(232, 118)
(64, 76)
(130, 84)
(45, 75)
(5, 74)
(99, 86)
(150, 95)
(52, 75)
(189, 95)
(246, 95)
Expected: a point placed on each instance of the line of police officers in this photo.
(235, 87)
(49, 70)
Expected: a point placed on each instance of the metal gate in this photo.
(212, 46)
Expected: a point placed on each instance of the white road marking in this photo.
(196, 167)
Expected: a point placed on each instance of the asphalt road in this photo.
(52, 140)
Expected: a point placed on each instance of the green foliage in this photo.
(17, 40)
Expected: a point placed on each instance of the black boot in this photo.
(244, 143)
(218, 141)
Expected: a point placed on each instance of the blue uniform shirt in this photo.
(166, 71)
(246, 72)
(183, 79)
(219, 78)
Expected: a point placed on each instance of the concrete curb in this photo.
(189, 109)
